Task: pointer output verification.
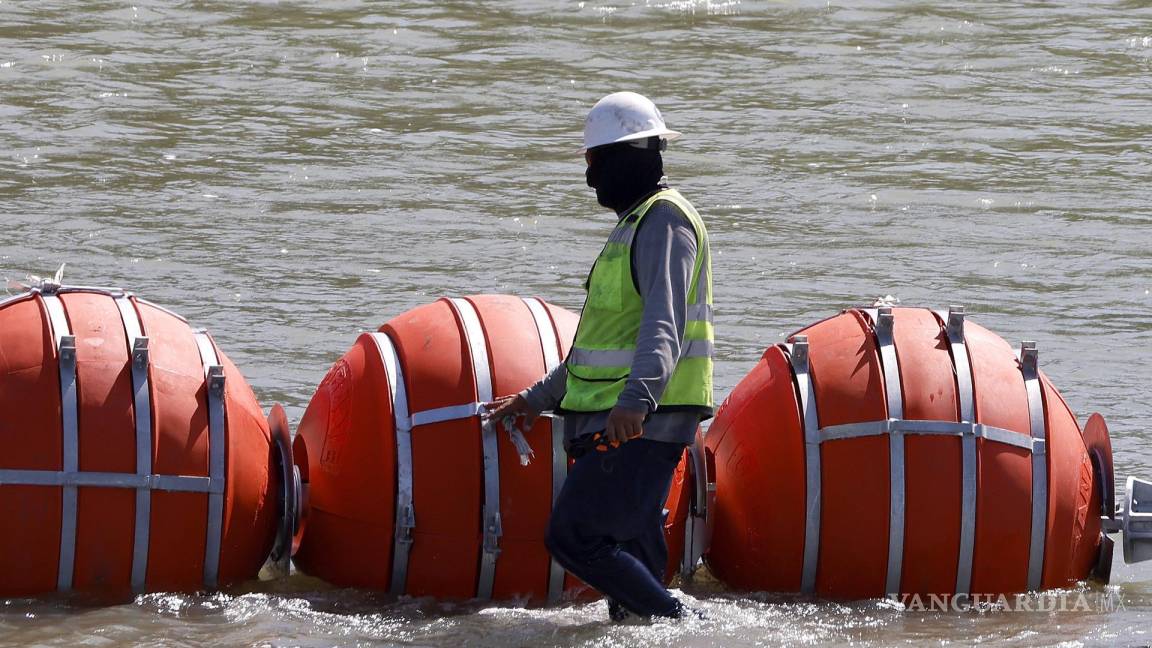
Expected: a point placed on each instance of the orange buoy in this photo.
(903, 451)
(136, 457)
(408, 490)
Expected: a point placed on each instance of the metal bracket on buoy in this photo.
(493, 529)
(1134, 520)
(559, 475)
(697, 531)
(289, 496)
(405, 524)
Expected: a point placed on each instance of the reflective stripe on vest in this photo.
(605, 344)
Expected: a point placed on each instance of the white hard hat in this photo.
(624, 117)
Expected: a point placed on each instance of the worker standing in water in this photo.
(638, 379)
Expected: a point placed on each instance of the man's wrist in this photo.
(532, 401)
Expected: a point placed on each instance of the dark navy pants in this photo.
(607, 527)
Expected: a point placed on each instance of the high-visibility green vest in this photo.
(601, 356)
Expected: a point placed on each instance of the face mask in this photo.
(622, 174)
(590, 175)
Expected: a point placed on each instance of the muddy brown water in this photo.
(288, 174)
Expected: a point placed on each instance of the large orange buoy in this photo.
(408, 491)
(901, 450)
(135, 457)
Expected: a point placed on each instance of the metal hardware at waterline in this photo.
(697, 528)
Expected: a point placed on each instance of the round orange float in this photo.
(136, 458)
(408, 490)
(902, 450)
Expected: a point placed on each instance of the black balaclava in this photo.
(622, 174)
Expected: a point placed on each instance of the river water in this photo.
(288, 174)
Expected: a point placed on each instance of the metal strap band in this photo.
(1008, 437)
(172, 483)
(405, 522)
(158, 307)
(855, 430)
(214, 385)
(492, 530)
(559, 474)
(954, 328)
(142, 412)
(799, 358)
(929, 428)
(66, 356)
(546, 331)
(114, 293)
(550, 349)
(1029, 367)
(449, 413)
(884, 328)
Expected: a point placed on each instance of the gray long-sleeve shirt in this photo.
(663, 255)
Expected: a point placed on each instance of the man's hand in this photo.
(511, 406)
(623, 424)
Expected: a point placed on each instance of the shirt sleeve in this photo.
(663, 255)
(546, 394)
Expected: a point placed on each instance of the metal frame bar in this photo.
(1029, 367)
(547, 332)
(550, 349)
(474, 337)
(171, 483)
(405, 509)
(559, 475)
(66, 357)
(798, 356)
(49, 288)
(954, 328)
(902, 427)
(142, 413)
(1135, 520)
(449, 413)
(883, 326)
(214, 383)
